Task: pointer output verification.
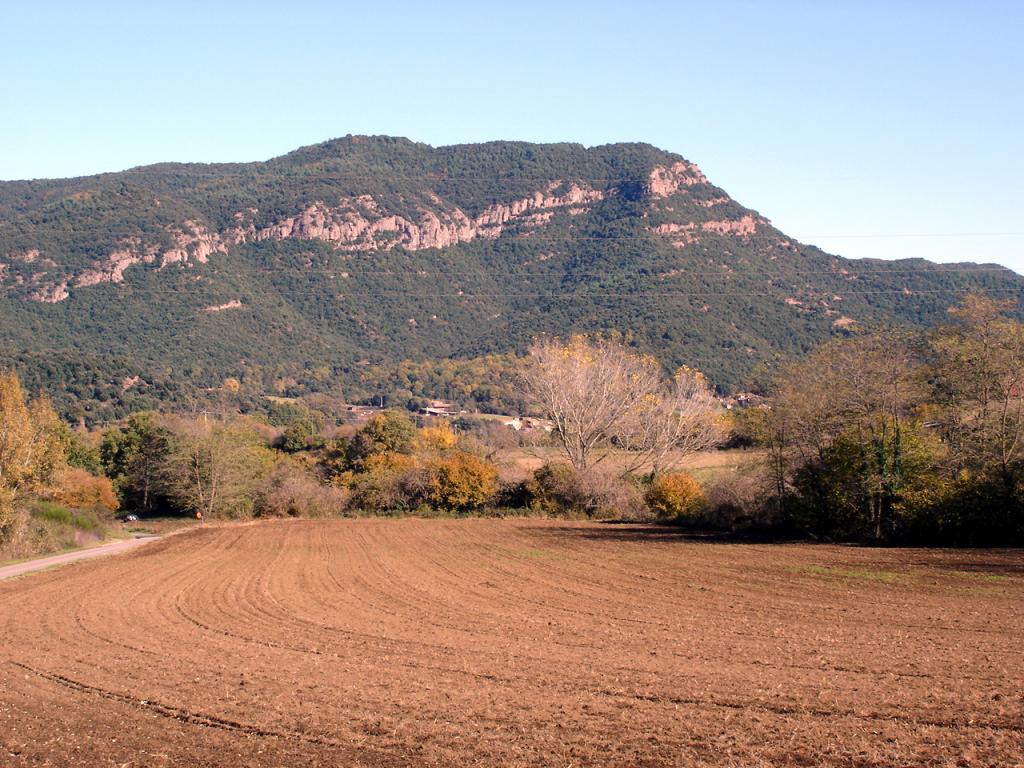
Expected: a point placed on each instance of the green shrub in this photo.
(56, 513)
(48, 510)
(390, 432)
(84, 522)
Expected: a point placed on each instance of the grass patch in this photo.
(857, 574)
(84, 522)
(55, 513)
(540, 554)
(981, 576)
(531, 553)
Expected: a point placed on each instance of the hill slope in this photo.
(379, 249)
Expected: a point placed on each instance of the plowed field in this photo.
(509, 643)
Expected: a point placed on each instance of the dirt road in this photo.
(43, 563)
(512, 643)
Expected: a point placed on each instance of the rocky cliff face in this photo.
(681, 235)
(362, 224)
(190, 242)
(665, 181)
(353, 224)
(175, 230)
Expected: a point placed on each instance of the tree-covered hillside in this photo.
(303, 272)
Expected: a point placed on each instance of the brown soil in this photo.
(511, 643)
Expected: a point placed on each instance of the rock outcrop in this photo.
(190, 242)
(682, 235)
(112, 269)
(361, 224)
(233, 304)
(745, 226)
(50, 293)
(665, 181)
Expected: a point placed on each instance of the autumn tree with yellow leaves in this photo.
(30, 445)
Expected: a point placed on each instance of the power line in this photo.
(126, 287)
(682, 272)
(844, 269)
(584, 293)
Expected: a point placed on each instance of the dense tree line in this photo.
(894, 437)
(884, 436)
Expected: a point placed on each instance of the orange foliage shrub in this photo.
(77, 489)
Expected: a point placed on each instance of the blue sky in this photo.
(888, 129)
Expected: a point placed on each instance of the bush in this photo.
(741, 500)
(675, 495)
(557, 489)
(609, 495)
(78, 489)
(389, 482)
(292, 492)
(436, 438)
(300, 436)
(390, 432)
(970, 510)
(461, 482)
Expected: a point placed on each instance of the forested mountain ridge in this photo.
(298, 273)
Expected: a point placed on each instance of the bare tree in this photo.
(680, 418)
(979, 381)
(600, 396)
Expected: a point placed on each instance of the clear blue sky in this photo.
(883, 129)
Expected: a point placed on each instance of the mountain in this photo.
(296, 274)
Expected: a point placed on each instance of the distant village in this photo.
(445, 409)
